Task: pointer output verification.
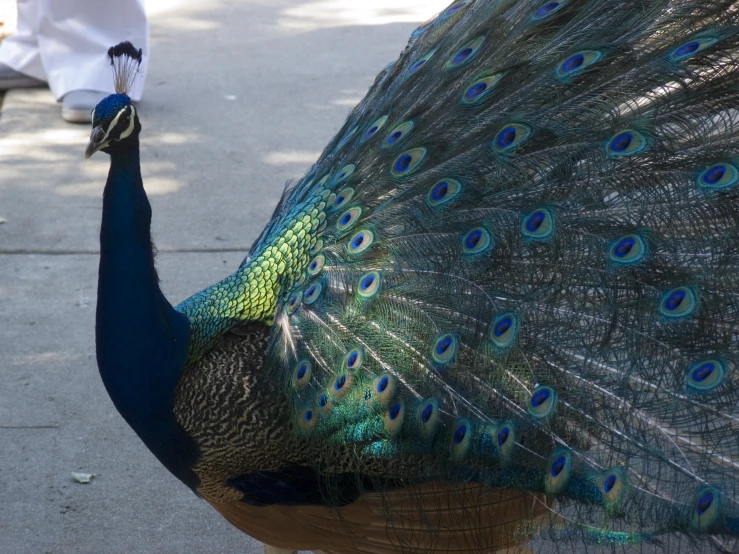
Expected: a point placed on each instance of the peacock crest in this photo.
(125, 60)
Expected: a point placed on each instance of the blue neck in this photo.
(142, 342)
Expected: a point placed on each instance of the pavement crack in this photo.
(29, 427)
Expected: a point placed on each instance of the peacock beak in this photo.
(97, 141)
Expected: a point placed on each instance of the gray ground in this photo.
(241, 96)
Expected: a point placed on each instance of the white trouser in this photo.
(65, 42)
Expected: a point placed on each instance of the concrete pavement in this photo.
(241, 96)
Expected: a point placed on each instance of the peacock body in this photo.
(502, 306)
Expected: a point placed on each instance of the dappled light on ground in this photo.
(154, 185)
(40, 141)
(336, 13)
(239, 100)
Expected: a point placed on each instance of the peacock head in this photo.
(114, 123)
(114, 120)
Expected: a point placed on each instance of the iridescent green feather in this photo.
(547, 256)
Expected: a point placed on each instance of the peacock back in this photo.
(504, 303)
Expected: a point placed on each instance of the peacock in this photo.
(501, 311)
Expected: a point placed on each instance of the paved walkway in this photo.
(242, 95)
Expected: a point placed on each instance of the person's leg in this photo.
(74, 37)
(20, 61)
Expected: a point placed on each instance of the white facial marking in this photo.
(129, 130)
(113, 123)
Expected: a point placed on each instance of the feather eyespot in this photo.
(420, 62)
(718, 177)
(501, 439)
(346, 138)
(547, 9)
(293, 303)
(460, 434)
(481, 88)
(316, 265)
(348, 218)
(460, 57)
(559, 471)
(399, 133)
(312, 293)
(504, 330)
(344, 174)
(706, 375)
(557, 466)
(325, 404)
(686, 50)
(455, 8)
(394, 417)
(302, 374)
(706, 510)
(510, 137)
(426, 413)
(394, 412)
(572, 63)
(461, 439)
(613, 485)
(502, 435)
(578, 62)
(497, 441)
(608, 483)
(538, 225)
(353, 360)
(678, 303)
(317, 246)
(361, 241)
(443, 192)
(408, 162)
(691, 48)
(476, 241)
(341, 386)
(626, 143)
(369, 284)
(628, 250)
(428, 418)
(343, 197)
(543, 402)
(307, 419)
(466, 53)
(383, 390)
(444, 349)
(374, 128)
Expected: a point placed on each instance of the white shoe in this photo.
(10, 78)
(77, 105)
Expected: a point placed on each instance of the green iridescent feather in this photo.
(529, 224)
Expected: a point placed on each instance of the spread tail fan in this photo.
(526, 273)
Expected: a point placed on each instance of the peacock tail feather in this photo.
(517, 267)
